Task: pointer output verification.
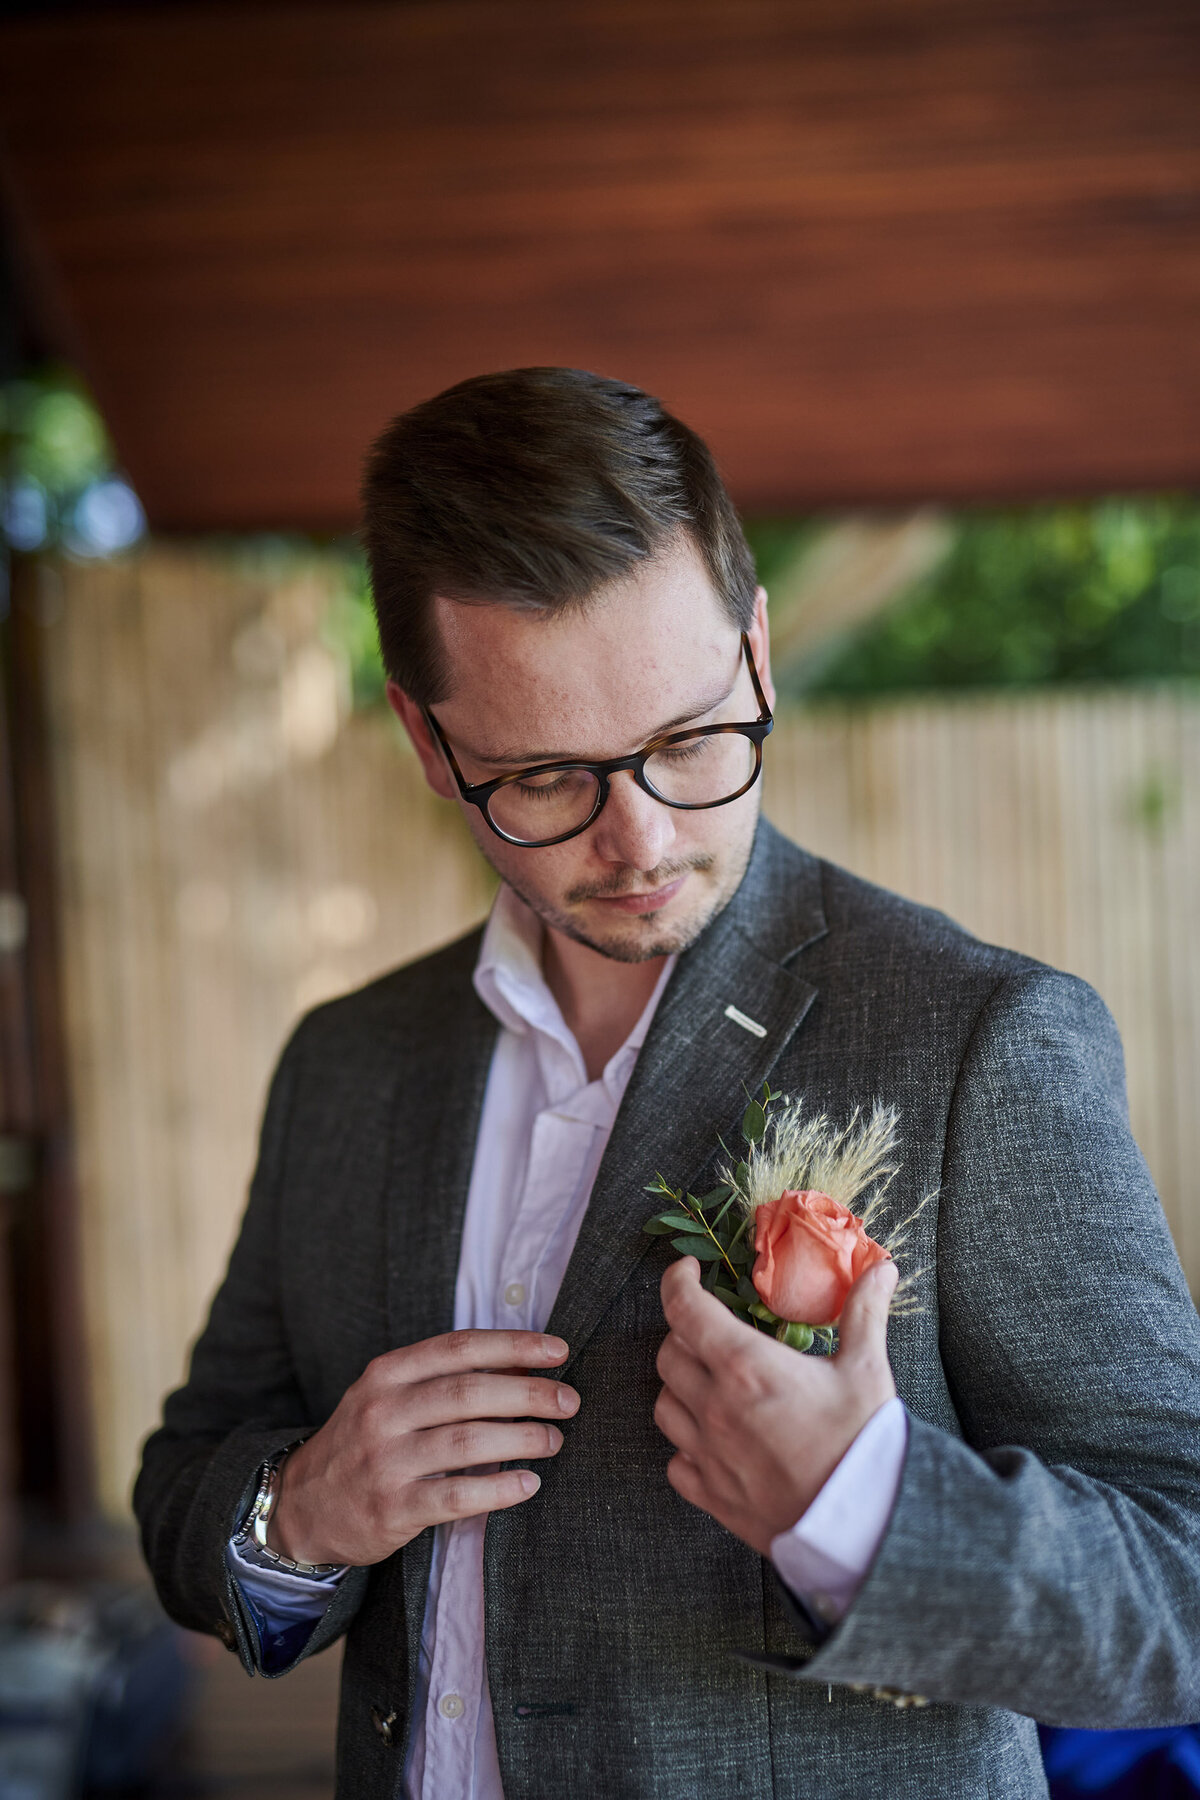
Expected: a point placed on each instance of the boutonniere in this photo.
(788, 1230)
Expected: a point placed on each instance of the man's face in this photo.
(653, 652)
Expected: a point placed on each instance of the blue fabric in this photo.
(1123, 1765)
(278, 1648)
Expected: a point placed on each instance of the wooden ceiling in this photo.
(875, 250)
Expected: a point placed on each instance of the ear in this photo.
(433, 763)
(760, 644)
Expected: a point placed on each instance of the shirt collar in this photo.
(509, 980)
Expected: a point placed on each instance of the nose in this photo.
(633, 827)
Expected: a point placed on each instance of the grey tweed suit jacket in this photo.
(1043, 1556)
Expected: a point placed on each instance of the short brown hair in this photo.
(533, 488)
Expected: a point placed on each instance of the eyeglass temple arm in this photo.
(763, 703)
(447, 752)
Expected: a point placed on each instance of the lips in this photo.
(651, 901)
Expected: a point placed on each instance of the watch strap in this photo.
(253, 1529)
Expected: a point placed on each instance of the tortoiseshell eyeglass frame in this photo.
(480, 793)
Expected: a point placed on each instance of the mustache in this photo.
(636, 881)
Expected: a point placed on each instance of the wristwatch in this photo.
(254, 1525)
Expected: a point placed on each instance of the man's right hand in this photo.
(390, 1459)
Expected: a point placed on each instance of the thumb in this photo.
(862, 1328)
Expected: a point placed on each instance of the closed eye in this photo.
(681, 753)
(552, 784)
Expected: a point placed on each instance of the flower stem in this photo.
(716, 1240)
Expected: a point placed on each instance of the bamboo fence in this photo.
(236, 843)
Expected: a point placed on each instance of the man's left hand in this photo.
(758, 1427)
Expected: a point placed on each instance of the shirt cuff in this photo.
(282, 1596)
(825, 1557)
(285, 1608)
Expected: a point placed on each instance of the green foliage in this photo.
(779, 543)
(59, 485)
(754, 1123)
(1101, 591)
(349, 628)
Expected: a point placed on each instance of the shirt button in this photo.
(451, 1706)
(514, 1293)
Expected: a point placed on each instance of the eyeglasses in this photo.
(550, 802)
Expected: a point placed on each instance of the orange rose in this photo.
(810, 1249)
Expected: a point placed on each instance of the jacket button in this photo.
(226, 1633)
(383, 1723)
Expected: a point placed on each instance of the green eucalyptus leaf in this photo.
(739, 1253)
(710, 1277)
(657, 1228)
(741, 1175)
(714, 1197)
(682, 1222)
(728, 1298)
(754, 1123)
(701, 1248)
(719, 1218)
(747, 1290)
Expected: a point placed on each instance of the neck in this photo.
(600, 999)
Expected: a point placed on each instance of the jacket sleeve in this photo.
(241, 1403)
(1049, 1563)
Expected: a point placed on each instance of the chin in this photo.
(634, 940)
(626, 947)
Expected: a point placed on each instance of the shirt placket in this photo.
(559, 1149)
(558, 1155)
(456, 1676)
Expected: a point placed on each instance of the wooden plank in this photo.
(882, 250)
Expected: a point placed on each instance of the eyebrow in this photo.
(520, 759)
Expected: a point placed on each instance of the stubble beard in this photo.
(648, 936)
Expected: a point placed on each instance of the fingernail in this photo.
(568, 1400)
(555, 1350)
(529, 1481)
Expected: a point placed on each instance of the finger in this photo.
(476, 1394)
(708, 1329)
(465, 1496)
(685, 1477)
(683, 1373)
(458, 1350)
(689, 1483)
(477, 1441)
(862, 1328)
(677, 1424)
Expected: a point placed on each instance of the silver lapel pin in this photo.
(750, 1025)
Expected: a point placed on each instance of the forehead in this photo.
(598, 679)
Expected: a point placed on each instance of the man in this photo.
(737, 1569)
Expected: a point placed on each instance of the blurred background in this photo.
(926, 275)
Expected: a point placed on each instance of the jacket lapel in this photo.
(444, 1087)
(695, 1069)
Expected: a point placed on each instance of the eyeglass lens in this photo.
(701, 771)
